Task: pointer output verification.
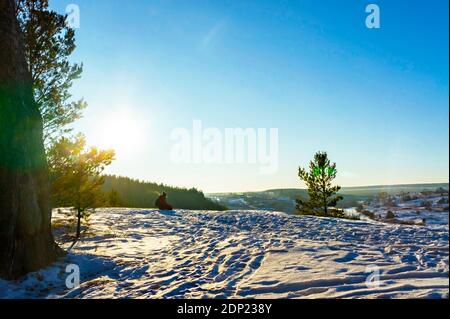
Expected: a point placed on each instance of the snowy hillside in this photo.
(243, 254)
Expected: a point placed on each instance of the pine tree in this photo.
(26, 240)
(75, 172)
(113, 198)
(323, 196)
(48, 43)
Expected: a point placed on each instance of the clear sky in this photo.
(375, 99)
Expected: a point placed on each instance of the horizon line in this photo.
(362, 186)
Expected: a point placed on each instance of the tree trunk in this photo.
(26, 241)
(78, 234)
(78, 225)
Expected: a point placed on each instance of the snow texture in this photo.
(130, 253)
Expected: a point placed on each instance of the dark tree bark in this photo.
(26, 241)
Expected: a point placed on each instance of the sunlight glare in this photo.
(121, 131)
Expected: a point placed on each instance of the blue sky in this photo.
(375, 99)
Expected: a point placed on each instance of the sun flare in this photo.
(121, 131)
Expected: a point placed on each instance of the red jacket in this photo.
(162, 204)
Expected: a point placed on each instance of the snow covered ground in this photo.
(413, 211)
(244, 254)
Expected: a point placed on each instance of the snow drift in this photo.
(245, 254)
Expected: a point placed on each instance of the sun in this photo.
(121, 131)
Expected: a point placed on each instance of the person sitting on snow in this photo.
(162, 204)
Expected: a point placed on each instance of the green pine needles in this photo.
(322, 195)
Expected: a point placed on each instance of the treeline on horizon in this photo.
(127, 192)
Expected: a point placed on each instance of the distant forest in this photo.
(127, 192)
